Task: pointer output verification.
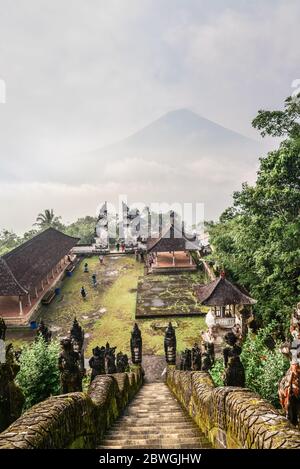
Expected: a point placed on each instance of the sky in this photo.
(81, 75)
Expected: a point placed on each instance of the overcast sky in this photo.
(82, 74)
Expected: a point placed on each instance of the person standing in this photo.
(83, 293)
(101, 259)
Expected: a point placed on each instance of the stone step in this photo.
(154, 419)
(150, 441)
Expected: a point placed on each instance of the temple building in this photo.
(230, 304)
(28, 271)
(172, 250)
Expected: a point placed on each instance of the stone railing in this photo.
(225, 322)
(231, 417)
(75, 420)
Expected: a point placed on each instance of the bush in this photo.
(264, 367)
(217, 371)
(39, 374)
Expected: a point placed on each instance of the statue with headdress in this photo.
(196, 358)
(11, 396)
(234, 369)
(122, 363)
(43, 331)
(185, 360)
(69, 366)
(110, 359)
(97, 362)
(77, 339)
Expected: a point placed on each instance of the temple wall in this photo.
(231, 417)
(75, 420)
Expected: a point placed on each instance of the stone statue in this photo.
(136, 345)
(234, 369)
(122, 363)
(289, 386)
(97, 362)
(196, 358)
(110, 359)
(185, 360)
(69, 366)
(43, 331)
(170, 345)
(77, 339)
(11, 396)
(3, 328)
(206, 362)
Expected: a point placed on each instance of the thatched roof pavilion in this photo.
(26, 267)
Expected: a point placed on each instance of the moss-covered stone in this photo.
(231, 417)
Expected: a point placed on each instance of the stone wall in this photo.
(231, 417)
(75, 420)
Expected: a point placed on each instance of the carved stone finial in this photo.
(136, 345)
(170, 345)
(69, 366)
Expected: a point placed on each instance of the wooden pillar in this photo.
(42, 284)
(29, 299)
(36, 292)
(191, 260)
(20, 306)
(173, 258)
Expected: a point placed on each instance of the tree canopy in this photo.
(258, 239)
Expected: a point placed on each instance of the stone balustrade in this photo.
(231, 417)
(74, 420)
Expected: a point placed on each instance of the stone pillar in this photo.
(20, 306)
(191, 260)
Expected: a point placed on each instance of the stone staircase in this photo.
(154, 419)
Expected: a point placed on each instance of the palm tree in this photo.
(47, 219)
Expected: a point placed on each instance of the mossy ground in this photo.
(108, 313)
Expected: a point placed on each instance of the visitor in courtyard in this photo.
(83, 293)
(94, 279)
(101, 259)
(118, 246)
(86, 267)
(123, 247)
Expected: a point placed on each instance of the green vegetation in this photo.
(257, 240)
(217, 372)
(83, 228)
(39, 375)
(264, 365)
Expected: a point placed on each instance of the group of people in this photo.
(94, 277)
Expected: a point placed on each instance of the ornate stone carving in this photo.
(77, 339)
(136, 345)
(234, 369)
(196, 358)
(170, 345)
(69, 366)
(110, 359)
(185, 360)
(44, 332)
(122, 363)
(11, 396)
(97, 362)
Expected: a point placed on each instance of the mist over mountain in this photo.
(180, 157)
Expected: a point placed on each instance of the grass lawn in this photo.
(108, 313)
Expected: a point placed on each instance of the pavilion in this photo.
(29, 270)
(230, 304)
(171, 250)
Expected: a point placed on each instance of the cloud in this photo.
(79, 77)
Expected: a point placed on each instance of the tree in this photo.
(83, 228)
(48, 219)
(258, 240)
(280, 123)
(8, 241)
(39, 374)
